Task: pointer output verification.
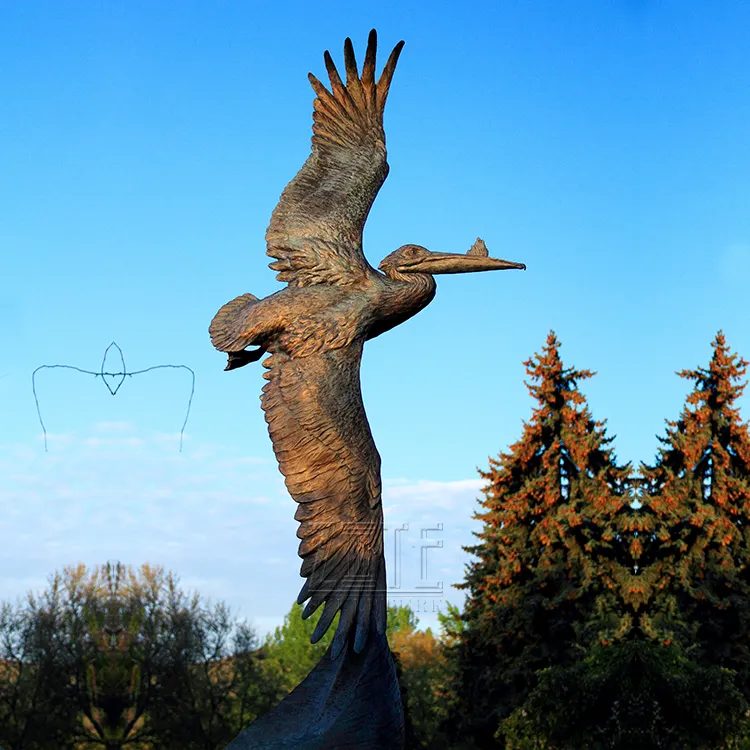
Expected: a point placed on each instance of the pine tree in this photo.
(634, 694)
(698, 493)
(549, 560)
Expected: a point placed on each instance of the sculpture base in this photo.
(352, 702)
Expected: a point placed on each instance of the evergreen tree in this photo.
(549, 562)
(634, 694)
(698, 493)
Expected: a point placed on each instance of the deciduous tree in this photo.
(35, 707)
(114, 658)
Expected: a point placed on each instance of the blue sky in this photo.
(143, 146)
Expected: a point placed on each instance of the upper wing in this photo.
(316, 229)
(325, 450)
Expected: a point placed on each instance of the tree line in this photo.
(607, 607)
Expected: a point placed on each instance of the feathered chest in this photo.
(332, 320)
(399, 300)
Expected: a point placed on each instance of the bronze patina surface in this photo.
(314, 331)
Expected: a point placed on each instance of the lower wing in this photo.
(326, 453)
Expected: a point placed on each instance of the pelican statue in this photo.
(314, 331)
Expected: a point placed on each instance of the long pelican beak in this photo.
(458, 263)
(477, 259)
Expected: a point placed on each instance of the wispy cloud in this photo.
(221, 521)
(425, 494)
(434, 522)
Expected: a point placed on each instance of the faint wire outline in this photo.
(101, 374)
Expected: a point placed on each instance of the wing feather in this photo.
(322, 440)
(315, 233)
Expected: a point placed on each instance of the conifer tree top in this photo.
(714, 383)
(552, 495)
(698, 491)
(710, 421)
(556, 384)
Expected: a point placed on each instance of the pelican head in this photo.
(418, 259)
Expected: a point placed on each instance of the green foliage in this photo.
(698, 495)
(288, 654)
(452, 624)
(421, 676)
(546, 557)
(35, 709)
(636, 694)
(663, 652)
(288, 657)
(592, 621)
(112, 658)
(633, 694)
(401, 620)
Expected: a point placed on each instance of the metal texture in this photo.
(314, 331)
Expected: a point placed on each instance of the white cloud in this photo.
(116, 427)
(222, 522)
(404, 496)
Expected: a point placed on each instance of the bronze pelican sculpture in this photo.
(314, 331)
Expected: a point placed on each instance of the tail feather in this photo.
(229, 328)
(240, 359)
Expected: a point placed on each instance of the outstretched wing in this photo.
(316, 229)
(326, 453)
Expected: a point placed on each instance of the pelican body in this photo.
(300, 321)
(314, 331)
